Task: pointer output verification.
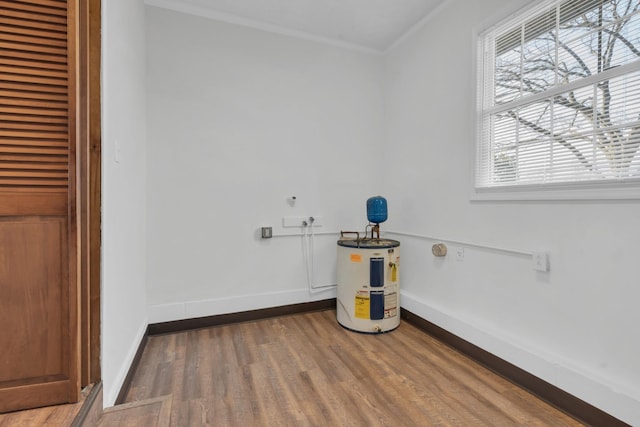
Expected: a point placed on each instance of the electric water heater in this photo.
(368, 291)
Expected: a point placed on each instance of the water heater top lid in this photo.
(369, 243)
(377, 209)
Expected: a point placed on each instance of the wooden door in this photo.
(38, 219)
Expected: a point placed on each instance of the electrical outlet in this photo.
(540, 261)
(267, 232)
(460, 254)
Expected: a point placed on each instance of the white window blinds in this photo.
(559, 95)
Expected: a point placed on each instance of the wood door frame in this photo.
(89, 189)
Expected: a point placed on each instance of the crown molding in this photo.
(190, 9)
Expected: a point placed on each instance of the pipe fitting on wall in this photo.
(439, 249)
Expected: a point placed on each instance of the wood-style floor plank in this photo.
(151, 412)
(306, 370)
(58, 415)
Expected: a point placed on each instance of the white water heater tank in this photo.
(368, 291)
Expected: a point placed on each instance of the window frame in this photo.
(628, 189)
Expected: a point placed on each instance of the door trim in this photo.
(90, 190)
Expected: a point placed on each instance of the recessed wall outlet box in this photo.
(267, 232)
(540, 261)
(459, 254)
(301, 221)
(294, 221)
(317, 221)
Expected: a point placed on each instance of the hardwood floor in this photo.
(306, 370)
(151, 412)
(58, 415)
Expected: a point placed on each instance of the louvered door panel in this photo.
(38, 346)
(34, 104)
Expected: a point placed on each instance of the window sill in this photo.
(556, 192)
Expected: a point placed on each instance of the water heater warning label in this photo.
(390, 305)
(362, 305)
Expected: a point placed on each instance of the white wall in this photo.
(574, 326)
(124, 317)
(239, 120)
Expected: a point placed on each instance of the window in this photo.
(559, 97)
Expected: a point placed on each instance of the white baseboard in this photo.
(192, 309)
(609, 397)
(110, 391)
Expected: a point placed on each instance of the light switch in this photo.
(116, 151)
